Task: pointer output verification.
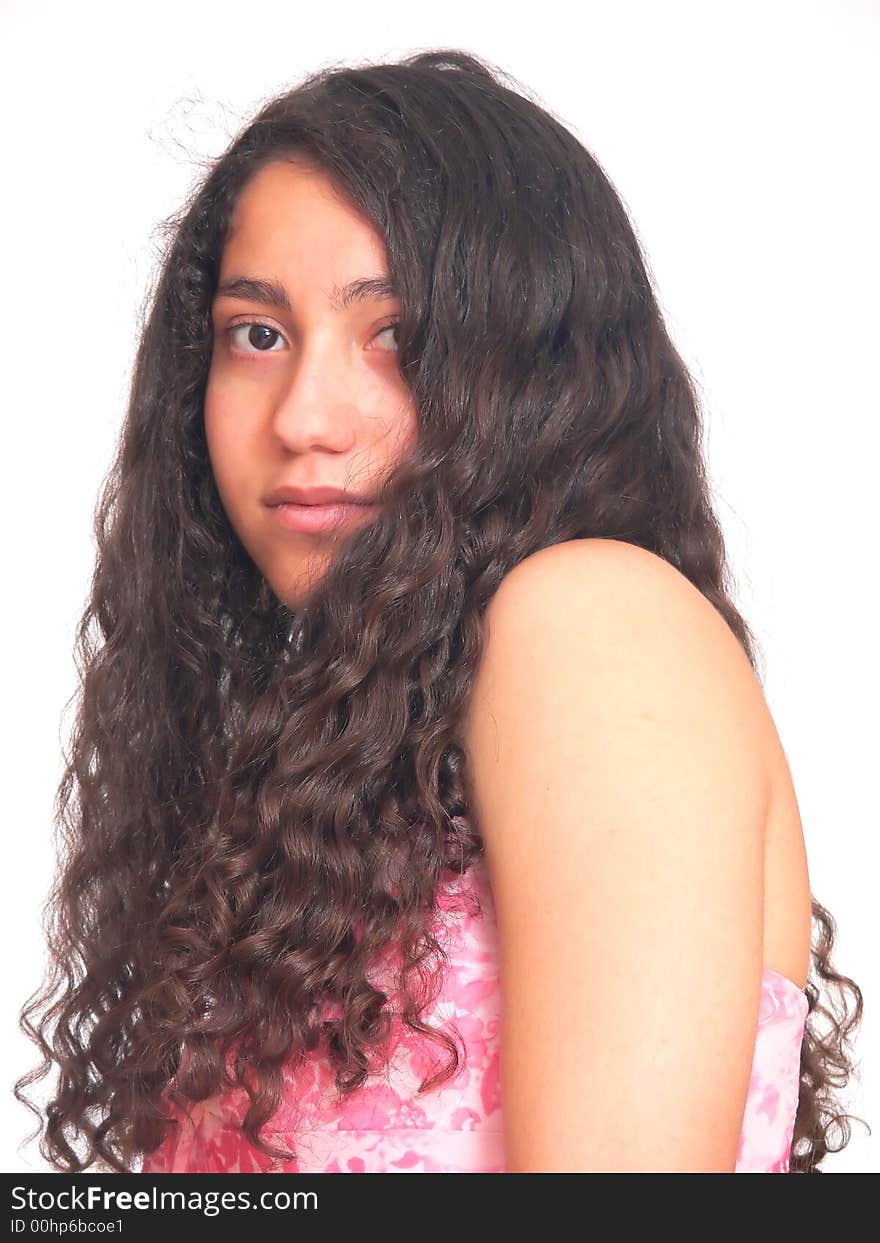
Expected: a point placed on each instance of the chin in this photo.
(295, 590)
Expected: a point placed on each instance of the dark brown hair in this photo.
(259, 799)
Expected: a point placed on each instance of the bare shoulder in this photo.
(616, 581)
(617, 763)
(619, 615)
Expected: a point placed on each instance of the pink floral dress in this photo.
(456, 1127)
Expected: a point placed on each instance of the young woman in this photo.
(421, 762)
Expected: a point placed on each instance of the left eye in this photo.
(389, 328)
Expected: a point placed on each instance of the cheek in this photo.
(216, 440)
(226, 453)
(404, 431)
(223, 431)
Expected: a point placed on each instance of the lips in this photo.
(314, 519)
(289, 494)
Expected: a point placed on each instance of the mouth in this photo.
(315, 495)
(314, 519)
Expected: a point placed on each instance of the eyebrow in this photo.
(273, 293)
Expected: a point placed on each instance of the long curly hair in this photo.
(259, 799)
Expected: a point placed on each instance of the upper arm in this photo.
(616, 761)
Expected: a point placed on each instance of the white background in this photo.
(741, 137)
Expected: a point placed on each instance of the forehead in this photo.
(287, 202)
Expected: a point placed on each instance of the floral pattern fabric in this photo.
(384, 1127)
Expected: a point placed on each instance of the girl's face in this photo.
(304, 388)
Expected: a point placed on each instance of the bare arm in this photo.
(616, 742)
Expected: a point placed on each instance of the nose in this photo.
(316, 407)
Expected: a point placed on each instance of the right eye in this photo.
(259, 336)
